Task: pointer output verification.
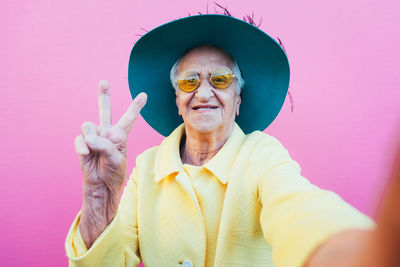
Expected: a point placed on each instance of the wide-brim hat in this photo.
(263, 62)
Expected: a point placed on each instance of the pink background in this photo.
(344, 81)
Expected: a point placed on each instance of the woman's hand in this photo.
(102, 155)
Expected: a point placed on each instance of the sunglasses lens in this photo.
(221, 78)
(188, 81)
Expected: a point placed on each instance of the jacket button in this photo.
(187, 263)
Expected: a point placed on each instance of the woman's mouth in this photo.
(204, 107)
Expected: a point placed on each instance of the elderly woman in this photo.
(215, 192)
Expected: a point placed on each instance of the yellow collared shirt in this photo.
(247, 206)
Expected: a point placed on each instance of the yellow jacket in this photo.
(271, 216)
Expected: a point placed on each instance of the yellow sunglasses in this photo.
(220, 78)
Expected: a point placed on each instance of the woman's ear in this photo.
(177, 103)
(238, 105)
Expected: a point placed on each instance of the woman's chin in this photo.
(205, 126)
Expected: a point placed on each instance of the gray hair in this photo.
(236, 71)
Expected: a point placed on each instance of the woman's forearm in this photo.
(341, 250)
(379, 247)
(99, 207)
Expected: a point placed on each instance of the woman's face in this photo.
(207, 109)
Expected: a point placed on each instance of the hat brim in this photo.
(263, 63)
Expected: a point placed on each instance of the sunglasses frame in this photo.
(209, 80)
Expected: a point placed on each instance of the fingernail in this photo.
(84, 152)
(104, 84)
(139, 100)
(144, 98)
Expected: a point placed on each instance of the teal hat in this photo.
(264, 66)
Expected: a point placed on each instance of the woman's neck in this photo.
(198, 148)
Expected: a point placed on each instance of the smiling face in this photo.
(207, 109)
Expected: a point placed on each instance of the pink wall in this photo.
(345, 85)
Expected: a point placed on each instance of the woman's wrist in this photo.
(99, 207)
(100, 201)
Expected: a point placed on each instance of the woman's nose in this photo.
(205, 90)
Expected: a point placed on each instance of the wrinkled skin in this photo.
(102, 155)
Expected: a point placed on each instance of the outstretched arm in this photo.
(380, 247)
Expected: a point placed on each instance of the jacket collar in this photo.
(168, 161)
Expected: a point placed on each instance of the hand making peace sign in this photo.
(102, 149)
(102, 155)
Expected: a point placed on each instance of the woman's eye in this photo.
(219, 79)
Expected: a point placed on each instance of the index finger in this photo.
(104, 104)
(129, 117)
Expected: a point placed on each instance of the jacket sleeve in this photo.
(296, 216)
(117, 245)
